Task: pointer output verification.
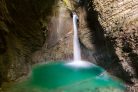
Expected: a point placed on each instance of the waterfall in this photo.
(76, 45)
(77, 62)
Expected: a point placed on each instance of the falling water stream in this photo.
(76, 45)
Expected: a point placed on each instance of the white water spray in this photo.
(77, 62)
(76, 47)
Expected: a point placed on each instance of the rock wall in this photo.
(120, 22)
(21, 34)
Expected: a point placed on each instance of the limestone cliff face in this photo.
(21, 34)
(120, 22)
(32, 32)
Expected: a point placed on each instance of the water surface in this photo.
(59, 77)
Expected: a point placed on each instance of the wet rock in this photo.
(20, 35)
(119, 20)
